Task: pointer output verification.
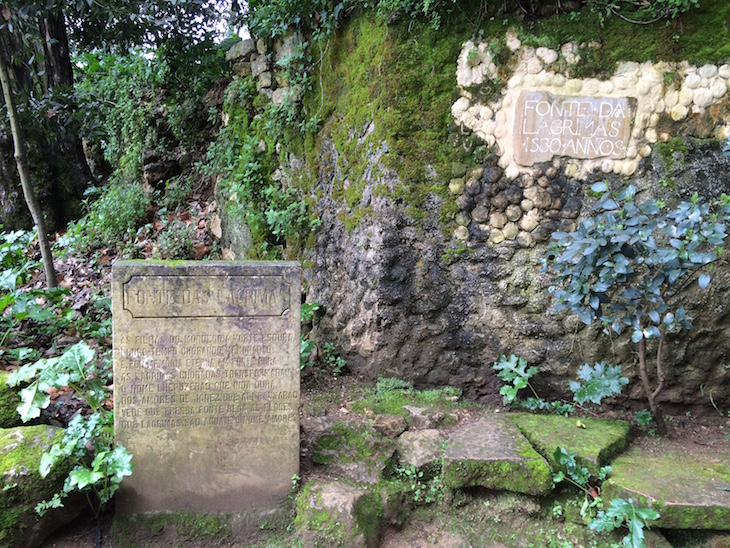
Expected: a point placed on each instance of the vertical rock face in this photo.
(427, 260)
(405, 300)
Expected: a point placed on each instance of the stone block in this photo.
(241, 51)
(686, 488)
(548, 125)
(492, 453)
(206, 370)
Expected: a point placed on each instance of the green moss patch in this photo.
(594, 445)
(22, 486)
(169, 528)
(698, 37)
(338, 514)
(390, 396)
(687, 489)
(9, 401)
(492, 453)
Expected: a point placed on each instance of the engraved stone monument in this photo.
(548, 125)
(206, 383)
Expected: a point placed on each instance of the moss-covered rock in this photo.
(594, 443)
(23, 488)
(492, 453)
(688, 490)
(338, 514)
(9, 401)
(353, 449)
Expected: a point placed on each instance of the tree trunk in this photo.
(54, 154)
(28, 192)
(651, 392)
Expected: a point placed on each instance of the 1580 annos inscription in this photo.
(548, 125)
(206, 371)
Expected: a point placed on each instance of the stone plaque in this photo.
(548, 125)
(206, 383)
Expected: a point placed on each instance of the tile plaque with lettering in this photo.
(206, 383)
(584, 127)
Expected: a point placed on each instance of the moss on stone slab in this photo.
(338, 514)
(178, 527)
(9, 401)
(22, 487)
(492, 453)
(688, 490)
(594, 445)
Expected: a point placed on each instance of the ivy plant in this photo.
(622, 512)
(88, 442)
(626, 265)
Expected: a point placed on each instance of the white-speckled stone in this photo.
(645, 151)
(574, 85)
(659, 105)
(703, 97)
(651, 135)
(606, 87)
(724, 71)
(591, 86)
(513, 43)
(627, 68)
(686, 96)
(693, 81)
(607, 166)
(643, 87)
(461, 233)
(631, 152)
(718, 88)
(459, 107)
(534, 66)
(571, 170)
(547, 55)
(515, 81)
(708, 71)
(671, 98)
(559, 80)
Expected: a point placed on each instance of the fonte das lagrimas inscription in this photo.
(548, 125)
(206, 377)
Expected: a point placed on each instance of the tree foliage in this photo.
(626, 266)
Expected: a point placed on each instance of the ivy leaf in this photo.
(565, 462)
(620, 511)
(600, 381)
(32, 401)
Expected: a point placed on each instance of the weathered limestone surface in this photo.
(690, 491)
(492, 453)
(206, 368)
(595, 441)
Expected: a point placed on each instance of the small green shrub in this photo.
(175, 241)
(113, 219)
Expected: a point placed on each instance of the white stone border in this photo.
(701, 88)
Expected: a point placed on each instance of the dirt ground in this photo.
(695, 432)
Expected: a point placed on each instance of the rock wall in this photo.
(436, 301)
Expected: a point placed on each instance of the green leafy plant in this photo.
(422, 488)
(334, 362)
(98, 467)
(593, 384)
(622, 512)
(113, 218)
(175, 241)
(514, 370)
(598, 382)
(626, 265)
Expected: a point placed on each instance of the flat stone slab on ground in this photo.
(492, 453)
(595, 445)
(689, 490)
